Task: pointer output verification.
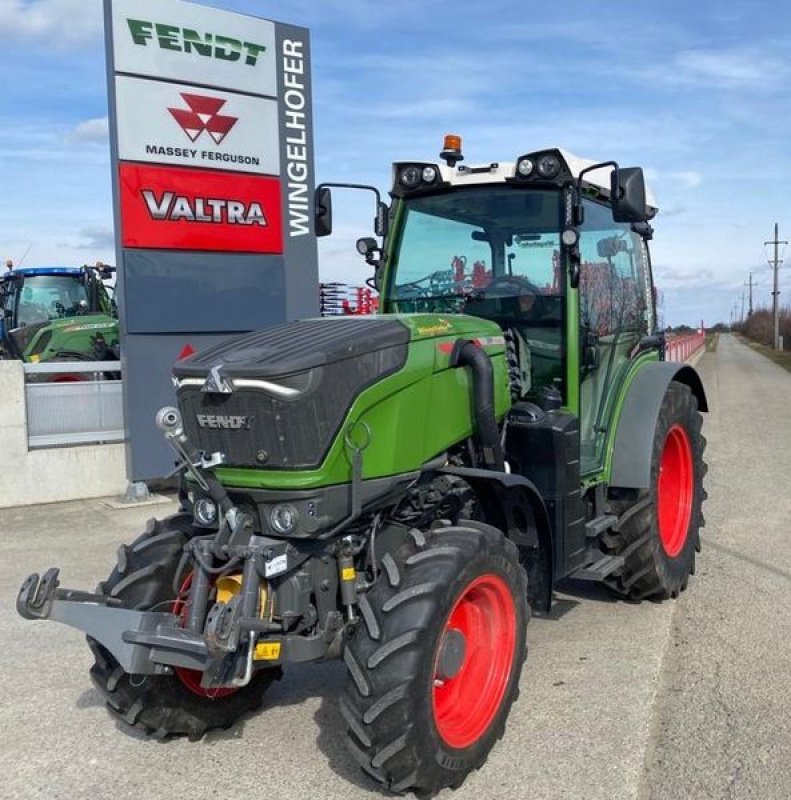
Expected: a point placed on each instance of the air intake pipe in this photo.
(487, 434)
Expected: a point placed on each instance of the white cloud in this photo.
(91, 130)
(57, 21)
(96, 237)
(731, 68)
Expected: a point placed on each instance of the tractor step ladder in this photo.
(599, 570)
(599, 525)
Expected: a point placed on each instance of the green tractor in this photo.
(400, 490)
(58, 314)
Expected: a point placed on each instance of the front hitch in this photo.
(143, 642)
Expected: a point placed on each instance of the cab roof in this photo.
(462, 174)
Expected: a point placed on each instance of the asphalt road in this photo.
(684, 699)
(722, 726)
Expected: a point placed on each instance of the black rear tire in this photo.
(658, 565)
(163, 705)
(400, 729)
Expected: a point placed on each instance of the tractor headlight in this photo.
(205, 511)
(549, 166)
(283, 518)
(429, 174)
(569, 237)
(411, 176)
(525, 167)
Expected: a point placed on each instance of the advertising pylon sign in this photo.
(212, 161)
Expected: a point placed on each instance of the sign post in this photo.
(212, 160)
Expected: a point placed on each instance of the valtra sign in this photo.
(188, 209)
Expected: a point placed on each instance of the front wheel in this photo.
(661, 532)
(434, 665)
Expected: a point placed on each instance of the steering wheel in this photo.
(510, 286)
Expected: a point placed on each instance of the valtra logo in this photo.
(202, 115)
(193, 209)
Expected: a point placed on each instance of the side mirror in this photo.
(627, 190)
(610, 246)
(323, 211)
(380, 223)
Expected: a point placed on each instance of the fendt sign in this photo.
(211, 132)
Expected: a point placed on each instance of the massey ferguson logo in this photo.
(203, 115)
(172, 207)
(226, 421)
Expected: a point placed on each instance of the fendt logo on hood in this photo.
(232, 422)
(203, 115)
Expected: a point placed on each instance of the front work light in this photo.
(549, 166)
(283, 518)
(429, 174)
(410, 177)
(205, 511)
(525, 167)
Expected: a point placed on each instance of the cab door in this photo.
(615, 314)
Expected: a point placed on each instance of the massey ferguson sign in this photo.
(175, 123)
(212, 158)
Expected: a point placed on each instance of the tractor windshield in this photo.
(47, 297)
(491, 251)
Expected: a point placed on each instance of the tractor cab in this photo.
(551, 247)
(44, 311)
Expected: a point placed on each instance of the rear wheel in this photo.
(434, 665)
(662, 534)
(164, 705)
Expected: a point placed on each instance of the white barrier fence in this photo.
(72, 403)
(34, 475)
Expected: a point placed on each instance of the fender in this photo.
(514, 504)
(634, 436)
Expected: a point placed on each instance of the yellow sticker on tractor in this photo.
(267, 651)
(348, 574)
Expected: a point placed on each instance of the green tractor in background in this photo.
(58, 314)
(401, 490)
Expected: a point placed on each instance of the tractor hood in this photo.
(296, 347)
(277, 398)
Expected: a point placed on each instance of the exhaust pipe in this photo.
(487, 434)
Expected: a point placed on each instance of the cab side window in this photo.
(615, 305)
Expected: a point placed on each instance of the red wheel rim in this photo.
(191, 678)
(675, 490)
(466, 703)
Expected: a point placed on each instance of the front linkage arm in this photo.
(219, 641)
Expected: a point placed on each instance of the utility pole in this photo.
(775, 263)
(750, 306)
(741, 318)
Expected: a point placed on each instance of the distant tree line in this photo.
(759, 327)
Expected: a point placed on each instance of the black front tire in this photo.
(396, 728)
(658, 567)
(162, 705)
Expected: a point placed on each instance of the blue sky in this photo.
(699, 94)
